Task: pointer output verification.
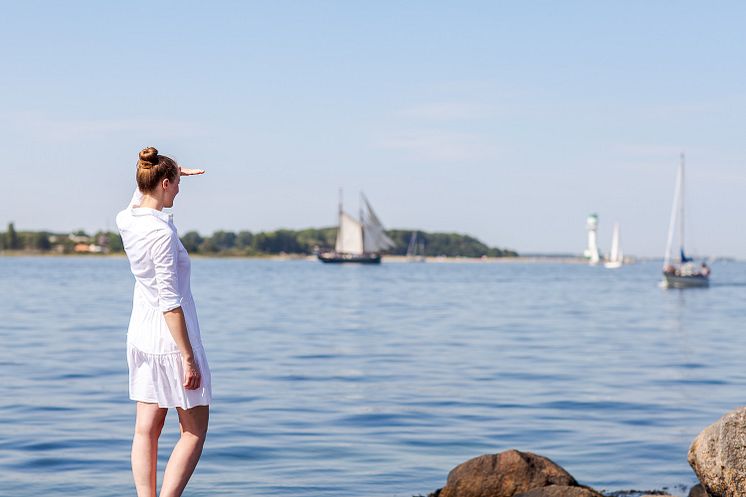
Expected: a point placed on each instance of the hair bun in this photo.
(148, 158)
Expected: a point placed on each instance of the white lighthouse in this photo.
(592, 253)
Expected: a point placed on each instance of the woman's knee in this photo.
(194, 422)
(149, 429)
(150, 421)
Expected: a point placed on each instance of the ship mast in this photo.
(681, 211)
(362, 219)
(339, 223)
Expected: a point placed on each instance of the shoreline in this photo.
(388, 259)
(397, 259)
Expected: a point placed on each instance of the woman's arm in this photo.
(183, 171)
(164, 250)
(177, 326)
(186, 171)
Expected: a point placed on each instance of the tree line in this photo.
(245, 243)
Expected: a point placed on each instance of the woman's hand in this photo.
(192, 377)
(185, 171)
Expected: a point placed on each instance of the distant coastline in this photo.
(388, 259)
(282, 242)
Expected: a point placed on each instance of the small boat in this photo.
(687, 275)
(358, 240)
(616, 258)
(416, 249)
(681, 272)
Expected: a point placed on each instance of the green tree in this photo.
(306, 240)
(275, 242)
(115, 242)
(222, 241)
(447, 244)
(207, 246)
(11, 238)
(192, 241)
(244, 239)
(40, 241)
(323, 238)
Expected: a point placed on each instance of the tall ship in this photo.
(358, 240)
(680, 270)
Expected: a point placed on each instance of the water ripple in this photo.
(374, 381)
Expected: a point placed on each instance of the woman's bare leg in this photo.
(184, 458)
(148, 426)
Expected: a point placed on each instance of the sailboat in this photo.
(416, 250)
(616, 258)
(358, 240)
(681, 272)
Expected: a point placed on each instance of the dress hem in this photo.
(169, 406)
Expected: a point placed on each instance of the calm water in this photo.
(374, 381)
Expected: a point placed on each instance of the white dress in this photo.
(161, 267)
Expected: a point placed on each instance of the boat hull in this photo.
(336, 258)
(688, 281)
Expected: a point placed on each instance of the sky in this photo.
(508, 121)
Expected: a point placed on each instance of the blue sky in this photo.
(510, 121)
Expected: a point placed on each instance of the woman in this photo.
(167, 363)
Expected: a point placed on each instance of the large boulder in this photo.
(504, 475)
(718, 456)
(698, 491)
(561, 491)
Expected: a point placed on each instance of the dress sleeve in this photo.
(136, 199)
(164, 250)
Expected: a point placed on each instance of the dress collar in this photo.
(144, 211)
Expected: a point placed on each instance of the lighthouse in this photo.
(592, 253)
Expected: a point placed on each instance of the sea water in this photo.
(374, 380)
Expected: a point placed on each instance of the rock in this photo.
(718, 456)
(698, 491)
(561, 491)
(504, 475)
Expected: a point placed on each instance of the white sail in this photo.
(616, 258)
(412, 247)
(415, 249)
(677, 205)
(614, 255)
(374, 236)
(349, 235)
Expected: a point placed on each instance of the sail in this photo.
(614, 256)
(684, 258)
(349, 235)
(374, 236)
(412, 247)
(677, 194)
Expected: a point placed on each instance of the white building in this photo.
(591, 252)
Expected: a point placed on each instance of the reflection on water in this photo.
(359, 380)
